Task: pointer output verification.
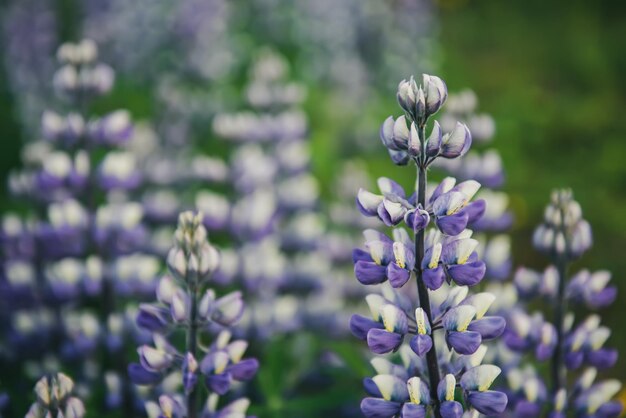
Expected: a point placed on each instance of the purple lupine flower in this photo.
(431, 257)
(390, 207)
(186, 302)
(453, 210)
(476, 383)
(566, 343)
(461, 261)
(82, 243)
(592, 289)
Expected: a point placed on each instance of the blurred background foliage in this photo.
(552, 74)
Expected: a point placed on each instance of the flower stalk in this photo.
(558, 370)
(435, 256)
(422, 290)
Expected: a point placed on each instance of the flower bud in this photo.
(228, 309)
(433, 145)
(436, 93)
(154, 359)
(205, 307)
(180, 306)
(386, 133)
(74, 408)
(177, 263)
(209, 260)
(414, 144)
(190, 367)
(456, 143)
(152, 318)
(401, 133)
(42, 390)
(407, 95)
(166, 289)
(65, 80)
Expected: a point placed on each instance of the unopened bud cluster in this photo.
(186, 304)
(54, 399)
(80, 74)
(564, 231)
(405, 136)
(192, 258)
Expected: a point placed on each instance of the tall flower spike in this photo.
(186, 303)
(87, 235)
(445, 332)
(565, 342)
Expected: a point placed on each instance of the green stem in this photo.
(192, 347)
(559, 372)
(422, 291)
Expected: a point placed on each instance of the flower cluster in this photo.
(54, 398)
(279, 256)
(567, 343)
(187, 304)
(442, 255)
(70, 265)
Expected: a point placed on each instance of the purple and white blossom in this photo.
(574, 347)
(446, 329)
(186, 303)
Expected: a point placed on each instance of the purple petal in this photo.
(379, 408)
(152, 318)
(399, 157)
(452, 224)
(574, 360)
(140, 376)
(544, 352)
(397, 275)
(360, 325)
(475, 210)
(603, 298)
(359, 254)
(388, 186)
(412, 410)
(489, 402)
(526, 409)
(467, 274)
(219, 383)
(368, 272)
(371, 388)
(421, 344)
(433, 278)
(244, 370)
(451, 409)
(416, 219)
(602, 358)
(466, 342)
(381, 341)
(488, 327)
(611, 409)
(514, 341)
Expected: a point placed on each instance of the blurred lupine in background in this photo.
(29, 59)
(486, 168)
(573, 347)
(70, 264)
(262, 114)
(54, 398)
(179, 372)
(432, 362)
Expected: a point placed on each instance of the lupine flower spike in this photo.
(567, 343)
(439, 338)
(187, 304)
